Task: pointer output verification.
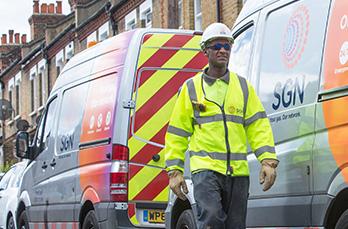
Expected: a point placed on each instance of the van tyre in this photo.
(23, 221)
(90, 221)
(186, 220)
(342, 222)
(10, 223)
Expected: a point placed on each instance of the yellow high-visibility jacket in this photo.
(216, 136)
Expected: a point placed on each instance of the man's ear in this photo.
(205, 52)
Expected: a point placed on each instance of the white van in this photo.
(295, 53)
(96, 160)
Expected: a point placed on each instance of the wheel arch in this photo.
(336, 208)
(178, 207)
(86, 207)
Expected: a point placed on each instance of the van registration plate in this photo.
(154, 216)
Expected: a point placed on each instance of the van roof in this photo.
(250, 7)
(82, 63)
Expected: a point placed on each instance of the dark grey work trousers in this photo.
(221, 200)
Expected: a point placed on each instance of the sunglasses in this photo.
(219, 46)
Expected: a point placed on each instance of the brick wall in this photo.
(230, 11)
(209, 13)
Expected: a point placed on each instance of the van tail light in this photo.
(119, 174)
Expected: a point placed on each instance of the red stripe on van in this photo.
(144, 155)
(155, 187)
(146, 37)
(163, 55)
(63, 226)
(167, 92)
(131, 210)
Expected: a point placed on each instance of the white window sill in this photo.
(10, 123)
(17, 117)
(33, 113)
(40, 108)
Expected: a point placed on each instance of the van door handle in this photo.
(53, 162)
(44, 165)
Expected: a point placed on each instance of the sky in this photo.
(14, 14)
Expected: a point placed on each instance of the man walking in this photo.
(216, 113)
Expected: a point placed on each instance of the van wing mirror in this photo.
(22, 145)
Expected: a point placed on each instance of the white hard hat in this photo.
(216, 30)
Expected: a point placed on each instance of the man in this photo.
(216, 113)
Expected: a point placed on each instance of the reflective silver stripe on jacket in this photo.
(219, 156)
(217, 118)
(176, 162)
(178, 131)
(255, 117)
(244, 86)
(264, 149)
(192, 94)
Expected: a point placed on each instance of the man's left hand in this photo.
(268, 173)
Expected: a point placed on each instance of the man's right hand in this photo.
(177, 183)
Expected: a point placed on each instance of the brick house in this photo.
(28, 70)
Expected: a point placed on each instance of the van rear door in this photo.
(165, 62)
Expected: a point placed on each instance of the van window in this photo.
(46, 125)
(291, 55)
(70, 118)
(241, 51)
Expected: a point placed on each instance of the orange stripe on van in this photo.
(336, 76)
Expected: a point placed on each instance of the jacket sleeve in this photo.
(179, 130)
(258, 128)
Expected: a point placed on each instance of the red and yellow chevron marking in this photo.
(132, 215)
(154, 107)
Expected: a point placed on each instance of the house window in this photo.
(131, 20)
(146, 13)
(69, 51)
(32, 93)
(103, 32)
(17, 92)
(39, 78)
(17, 100)
(180, 15)
(59, 61)
(198, 15)
(10, 96)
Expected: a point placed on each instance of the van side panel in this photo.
(165, 62)
(330, 155)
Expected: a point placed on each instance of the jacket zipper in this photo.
(229, 170)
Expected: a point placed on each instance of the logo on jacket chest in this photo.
(234, 110)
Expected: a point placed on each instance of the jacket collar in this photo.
(211, 80)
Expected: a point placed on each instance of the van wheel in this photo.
(186, 220)
(342, 222)
(90, 221)
(10, 223)
(23, 221)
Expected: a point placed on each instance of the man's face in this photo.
(218, 52)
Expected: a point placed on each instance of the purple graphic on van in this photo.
(295, 36)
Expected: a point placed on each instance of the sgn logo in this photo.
(290, 93)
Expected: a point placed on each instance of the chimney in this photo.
(59, 7)
(4, 39)
(51, 8)
(17, 38)
(44, 8)
(24, 39)
(36, 7)
(10, 33)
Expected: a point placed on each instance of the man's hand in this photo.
(177, 183)
(268, 173)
